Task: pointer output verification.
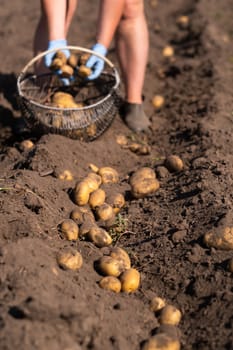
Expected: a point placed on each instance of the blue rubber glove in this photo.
(57, 44)
(95, 63)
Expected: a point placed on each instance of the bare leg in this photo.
(54, 23)
(132, 48)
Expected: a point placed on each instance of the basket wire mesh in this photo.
(100, 100)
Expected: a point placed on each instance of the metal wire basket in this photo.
(100, 99)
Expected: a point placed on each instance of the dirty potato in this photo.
(69, 229)
(69, 259)
(170, 315)
(174, 163)
(99, 236)
(162, 342)
(110, 283)
(121, 255)
(109, 266)
(222, 239)
(130, 280)
(108, 175)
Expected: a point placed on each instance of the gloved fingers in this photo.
(91, 61)
(97, 69)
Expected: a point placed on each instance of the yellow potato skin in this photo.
(130, 280)
(110, 283)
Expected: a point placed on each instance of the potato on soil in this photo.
(110, 283)
(183, 22)
(108, 266)
(162, 342)
(81, 193)
(168, 51)
(222, 239)
(69, 229)
(94, 181)
(121, 255)
(104, 212)
(122, 140)
(116, 200)
(97, 198)
(130, 280)
(85, 228)
(144, 187)
(158, 102)
(82, 213)
(84, 71)
(69, 259)
(26, 145)
(108, 175)
(142, 173)
(140, 149)
(174, 163)
(93, 168)
(157, 304)
(66, 175)
(99, 236)
(170, 315)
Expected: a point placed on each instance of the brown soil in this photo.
(45, 307)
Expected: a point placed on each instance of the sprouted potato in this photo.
(130, 280)
(110, 283)
(69, 229)
(170, 315)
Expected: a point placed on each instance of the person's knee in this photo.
(133, 9)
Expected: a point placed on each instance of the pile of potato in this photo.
(167, 334)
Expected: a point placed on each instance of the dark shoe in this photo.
(135, 117)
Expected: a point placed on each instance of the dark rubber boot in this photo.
(135, 117)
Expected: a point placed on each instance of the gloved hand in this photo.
(96, 63)
(57, 44)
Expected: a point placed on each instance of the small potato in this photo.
(230, 265)
(77, 216)
(61, 55)
(97, 198)
(94, 168)
(130, 280)
(85, 228)
(108, 175)
(66, 175)
(69, 229)
(117, 201)
(84, 71)
(162, 342)
(82, 213)
(183, 22)
(174, 163)
(222, 239)
(170, 315)
(104, 212)
(67, 71)
(26, 145)
(99, 237)
(56, 64)
(158, 102)
(144, 187)
(73, 60)
(69, 259)
(84, 58)
(82, 193)
(94, 181)
(142, 173)
(122, 140)
(157, 304)
(168, 51)
(109, 266)
(121, 255)
(110, 283)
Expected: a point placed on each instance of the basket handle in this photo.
(76, 48)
